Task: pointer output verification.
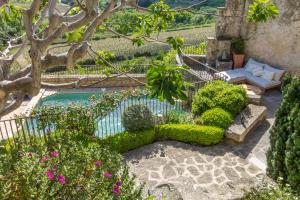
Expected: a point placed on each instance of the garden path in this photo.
(188, 172)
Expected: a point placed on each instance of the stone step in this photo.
(246, 121)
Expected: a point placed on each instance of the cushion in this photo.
(263, 83)
(233, 75)
(268, 75)
(253, 65)
(258, 71)
(278, 73)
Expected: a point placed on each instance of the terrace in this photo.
(98, 130)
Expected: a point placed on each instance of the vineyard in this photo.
(123, 48)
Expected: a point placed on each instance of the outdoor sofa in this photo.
(255, 73)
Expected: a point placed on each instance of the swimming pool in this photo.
(111, 123)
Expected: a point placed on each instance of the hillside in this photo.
(185, 3)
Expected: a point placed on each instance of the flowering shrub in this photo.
(71, 167)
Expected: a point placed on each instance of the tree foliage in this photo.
(262, 11)
(284, 154)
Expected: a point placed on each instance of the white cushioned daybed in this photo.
(259, 74)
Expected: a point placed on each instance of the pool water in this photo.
(111, 123)
(68, 98)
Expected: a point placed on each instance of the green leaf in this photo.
(262, 11)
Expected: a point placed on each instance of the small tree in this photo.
(284, 154)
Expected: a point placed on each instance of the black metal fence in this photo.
(27, 129)
(91, 70)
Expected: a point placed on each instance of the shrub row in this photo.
(127, 141)
(201, 135)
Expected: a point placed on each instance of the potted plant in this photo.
(238, 49)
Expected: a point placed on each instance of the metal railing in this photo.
(91, 70)
(28, 129)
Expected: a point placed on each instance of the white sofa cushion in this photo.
(268, 75)
(263, 83)
(253, 65)
(238, 75)
(233, 75)
(277, 72)
(258, 71)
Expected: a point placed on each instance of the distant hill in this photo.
(185, 3)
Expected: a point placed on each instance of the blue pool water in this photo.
(110, 124)
(68, 98)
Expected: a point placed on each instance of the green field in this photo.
(123, 47)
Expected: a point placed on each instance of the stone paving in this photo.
(224, 171)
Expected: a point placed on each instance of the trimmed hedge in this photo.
(127, 141)
(230, 97)
(215, 117)
(203, 135)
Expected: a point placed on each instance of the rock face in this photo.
(246, 121)
(276, 42)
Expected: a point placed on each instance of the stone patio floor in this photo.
(223, 171)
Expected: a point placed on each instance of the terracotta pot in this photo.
(238, 60)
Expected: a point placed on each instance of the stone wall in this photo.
(276, 42)
(121, 81)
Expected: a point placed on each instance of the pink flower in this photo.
(116, 191)
(30, 154)
(44, 159)
(61, 179)
(107, 174)
(119, 183)
(54, 154)
(97, 162)
(50, 174)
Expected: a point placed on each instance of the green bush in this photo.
(127, 141)
(177, 117)
(137, 117)
(221, 94)
(233, 99)
(271, 193)
(69, 167)
(74, 118)
(203, 135)
(284, 154)
(215, 117)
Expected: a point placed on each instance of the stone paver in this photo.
(217, 172)
(214, 172)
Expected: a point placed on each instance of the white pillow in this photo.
(252, 65)
(268, 75)
(258, 71)
(278, 72)
(251, 61)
